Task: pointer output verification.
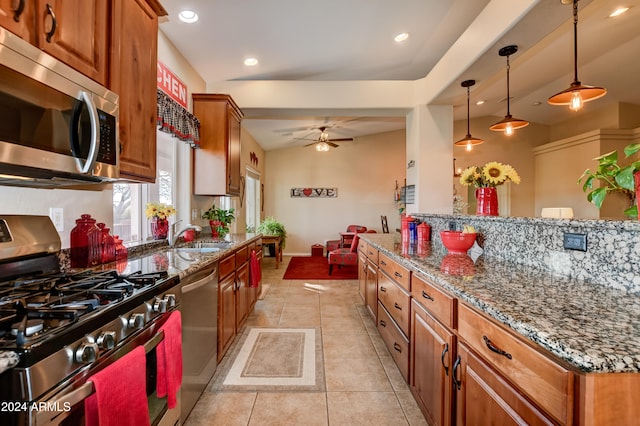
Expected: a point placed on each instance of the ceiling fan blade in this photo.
(310, 144)
(339, 140)
(334, 145)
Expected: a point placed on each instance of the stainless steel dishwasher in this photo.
(199, 334)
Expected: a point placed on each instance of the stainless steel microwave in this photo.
(57, 126)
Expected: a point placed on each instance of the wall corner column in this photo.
(430, 158)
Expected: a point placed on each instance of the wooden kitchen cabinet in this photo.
(371, 288)
(362, 276)
(395, 340)
(134, 59)
(242, 286)
(74, 31)
(433, 348)
(217, 162)
(19, 18)
(226, 304)
(498, 368)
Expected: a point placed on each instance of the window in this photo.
(252, 194)
(129, 200)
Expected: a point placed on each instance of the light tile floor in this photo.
(363, 385)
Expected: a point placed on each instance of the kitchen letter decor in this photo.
(314, 192)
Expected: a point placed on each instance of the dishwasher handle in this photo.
(201, 282)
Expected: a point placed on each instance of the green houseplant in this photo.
(219, 220)
(613, 177)
(270, 226)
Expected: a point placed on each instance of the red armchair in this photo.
(344, 256)
(345, 239)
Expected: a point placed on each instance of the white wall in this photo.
(364, 171)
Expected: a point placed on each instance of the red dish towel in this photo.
(169, 354)
(255, 272)
(120, 396)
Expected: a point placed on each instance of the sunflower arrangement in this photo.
(159, 210)
(491, 174)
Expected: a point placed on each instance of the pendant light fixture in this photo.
(508, 124)
(577, 93)
(468, 141)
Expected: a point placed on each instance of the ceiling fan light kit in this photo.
(468, 141)
(508, 124)
(577, 93)
(324, 143)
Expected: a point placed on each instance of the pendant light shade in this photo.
(577, 93)
(508, 124)
(468, 141)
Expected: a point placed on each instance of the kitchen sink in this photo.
(197, 249)
(203, 245)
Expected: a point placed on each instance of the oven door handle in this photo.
(84, 391)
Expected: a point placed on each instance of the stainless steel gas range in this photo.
(64, 327)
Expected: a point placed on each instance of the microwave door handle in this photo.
(95, 135)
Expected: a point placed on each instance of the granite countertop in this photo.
(174, 260)
(593, 327)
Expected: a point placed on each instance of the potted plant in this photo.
(270, 226)
(614, 177)
(219, 220)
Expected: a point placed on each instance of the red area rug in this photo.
(317, 268)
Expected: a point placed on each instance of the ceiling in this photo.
(337, 40)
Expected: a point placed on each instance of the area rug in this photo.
(317, 268)
(273, 359)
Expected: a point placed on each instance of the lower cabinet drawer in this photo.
(547, 383)
(396, 300)
(394, 339)
(226, 266)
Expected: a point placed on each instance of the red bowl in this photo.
(456, 241)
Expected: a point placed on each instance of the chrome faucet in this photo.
(173, 235)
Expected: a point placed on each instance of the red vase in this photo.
(636, 180)
(487, 201)
(159, 228)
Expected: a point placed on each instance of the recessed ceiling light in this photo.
(480, 102)
(619, 11)
(536, 103)
(188, 16)
(251, 62)
(401, 37)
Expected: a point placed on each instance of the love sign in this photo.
(314, 192)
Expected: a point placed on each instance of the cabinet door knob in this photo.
(495, 349)
(18, 11)
(457, 383)
(426, 296)
(54, 23)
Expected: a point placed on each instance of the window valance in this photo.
(174, 119)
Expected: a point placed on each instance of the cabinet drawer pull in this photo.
(456, 383)
(426, 296)
(397, 274)
(444, 353)
(382, 323)
(54, 23)
(494, 348)
(398, 307)
(382, 289)
(18, 11)
(397, 347)
(383, 263)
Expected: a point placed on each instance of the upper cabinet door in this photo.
(18, 16)
(76, 32)
(133, 77)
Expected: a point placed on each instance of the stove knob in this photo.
(160, 305)
(136, 321)
(107, 340)
(171, 300)
(86, 353)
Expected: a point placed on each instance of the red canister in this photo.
(82, 236)
(424, 233)
(405, 232)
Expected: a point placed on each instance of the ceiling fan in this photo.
(324, 142)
